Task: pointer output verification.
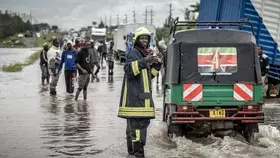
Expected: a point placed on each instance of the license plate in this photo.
(217, 113)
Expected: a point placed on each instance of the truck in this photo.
(122, 37)
(264, 15)
(98, 34)
(83, 32)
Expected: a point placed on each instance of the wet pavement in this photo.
(34, 124)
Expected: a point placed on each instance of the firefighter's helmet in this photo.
(140, 32)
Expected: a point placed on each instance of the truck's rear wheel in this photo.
(172, 129)
(249, 132)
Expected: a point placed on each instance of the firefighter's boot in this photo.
(138, 149)
(129, 147)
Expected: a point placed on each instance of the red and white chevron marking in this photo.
(243, 92)
(192, 92)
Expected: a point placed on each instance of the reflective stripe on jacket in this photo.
(136, 98)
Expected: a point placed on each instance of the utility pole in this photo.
(152, 14)
(118, 20)
(146, 15)
(125, 19)
(170, 14)
(110, 23)
(134, 16)
(105, 22)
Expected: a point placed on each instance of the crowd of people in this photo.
(81, 57)
(142, 65)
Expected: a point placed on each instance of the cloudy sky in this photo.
(79, 13)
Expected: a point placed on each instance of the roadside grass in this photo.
(12, 67)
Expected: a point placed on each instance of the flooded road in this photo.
(13, 55)
(34, 124)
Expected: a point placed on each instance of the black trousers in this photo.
(136, 134)
(111, 67)
(69, 80)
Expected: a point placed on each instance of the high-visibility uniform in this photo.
(136, 104)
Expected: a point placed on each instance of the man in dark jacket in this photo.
(83, 64)
(110, 60)
(44, 64)
(95, 59)
(264, 64)
(136, 103)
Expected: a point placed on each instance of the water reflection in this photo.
(66, 127)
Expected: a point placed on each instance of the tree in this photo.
(11, 24)
(190, 14)
(101, 25)
(55, 28)
(195, 7)
(28, 26)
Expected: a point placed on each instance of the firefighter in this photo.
(136, 103)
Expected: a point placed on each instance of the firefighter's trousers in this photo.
(136, 133)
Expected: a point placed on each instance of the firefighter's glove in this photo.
(150, 59)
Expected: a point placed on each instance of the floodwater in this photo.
(13, 55)
(34, 124)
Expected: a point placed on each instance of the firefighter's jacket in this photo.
(136, 98)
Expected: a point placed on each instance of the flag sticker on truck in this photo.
(221, 60)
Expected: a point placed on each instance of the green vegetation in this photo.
(11, 24)
(190, 14)
(32, 58)
(45, 38)
(12, 67)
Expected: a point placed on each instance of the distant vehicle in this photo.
(122, 37)
(20, 35)
(98, 34)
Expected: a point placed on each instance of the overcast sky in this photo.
(80, 13)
